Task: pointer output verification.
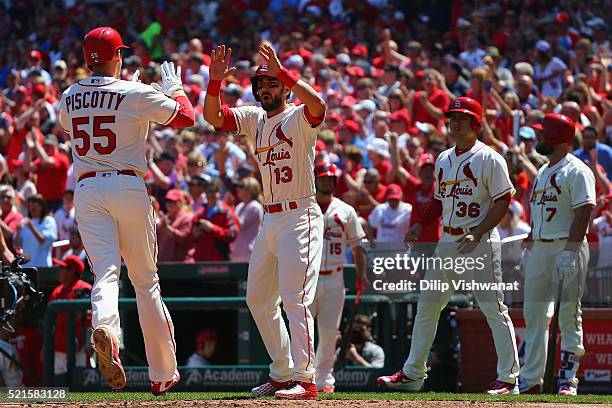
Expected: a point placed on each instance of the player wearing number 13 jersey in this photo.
(285, 261)
(108, 120)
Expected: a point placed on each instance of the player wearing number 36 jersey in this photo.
(108, 120)
(285, 261)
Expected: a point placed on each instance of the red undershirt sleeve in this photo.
(185, 116)
(505, 197)
(311, 119)
(229, 120)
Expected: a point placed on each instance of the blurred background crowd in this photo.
(387, 70)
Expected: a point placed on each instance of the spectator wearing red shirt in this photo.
(430, 104)
(371, 194)
(28, 342)
(71, 287)
(51, 167)
(378, 153)
(420, 195)
(174, 230)
(10, 218)
(352, 176)
(214, 227)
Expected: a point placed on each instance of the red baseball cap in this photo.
(394, 192)
(35, 54)
(400, 115)
(72, 262)
(360, 50)
(355, 71)
(206, 335)
(351, 125)
(348, 101)
(333, 116)
(39, 90)
(426, 158)
(319, 145)
(174, 195)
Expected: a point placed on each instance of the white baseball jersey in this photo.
(391, 224)
(468, 184)
(285, 149)
(557, 191)
(341, 227)
(108, 121)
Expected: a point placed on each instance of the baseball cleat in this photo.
(502, 388)
(159, 388)
(525, 388)
(268, 389)
(327, 389)
(298, 390)
(567, 388)
(400, 382)
(107, 348)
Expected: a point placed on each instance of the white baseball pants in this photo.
(284, 266)
(541, 287)
(327, 311)
(491, 304)
(116, 219)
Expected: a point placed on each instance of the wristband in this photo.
(214, 87)
(288, 78)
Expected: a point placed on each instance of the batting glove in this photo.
(566, 263)
(171, 79)
(135, 76)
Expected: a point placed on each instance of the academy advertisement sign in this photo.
(218, 378)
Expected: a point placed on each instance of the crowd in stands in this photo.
(387, 70)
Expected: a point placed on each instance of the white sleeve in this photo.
(374, 218)
(498, 180)
(354, 231)
(246, 122)
(437, 177)
(582, 188)
(155, 106)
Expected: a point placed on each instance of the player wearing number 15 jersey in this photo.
(284, 264)
(108, 120)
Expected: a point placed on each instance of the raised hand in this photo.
(272, 61)
(171, 79)
(135, 76)
(219, 63)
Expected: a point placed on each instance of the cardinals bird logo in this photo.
(553, 183)
(468, 173)
(339, 221)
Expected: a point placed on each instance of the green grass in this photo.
(430, 396)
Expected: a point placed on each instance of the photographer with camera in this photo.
(361, 350)
(71, 287)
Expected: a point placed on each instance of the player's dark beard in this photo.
(276, 102)
(545, 149)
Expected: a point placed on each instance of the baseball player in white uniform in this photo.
(284, 264)
(473, 194)
(108, 120)
(341, 229)
(561, 201)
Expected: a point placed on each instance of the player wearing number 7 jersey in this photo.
(286, 256)
(108, 120)
(473, 194)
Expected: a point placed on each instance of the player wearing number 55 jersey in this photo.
(473, 194)
(108, 121)
(341, 229)
(561, 201)
(286, 256)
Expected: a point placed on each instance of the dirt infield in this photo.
(323, 403)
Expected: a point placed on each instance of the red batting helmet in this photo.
(261, 71)
(557, 129)
(326, 169)
(468, 106)
(100, 45)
